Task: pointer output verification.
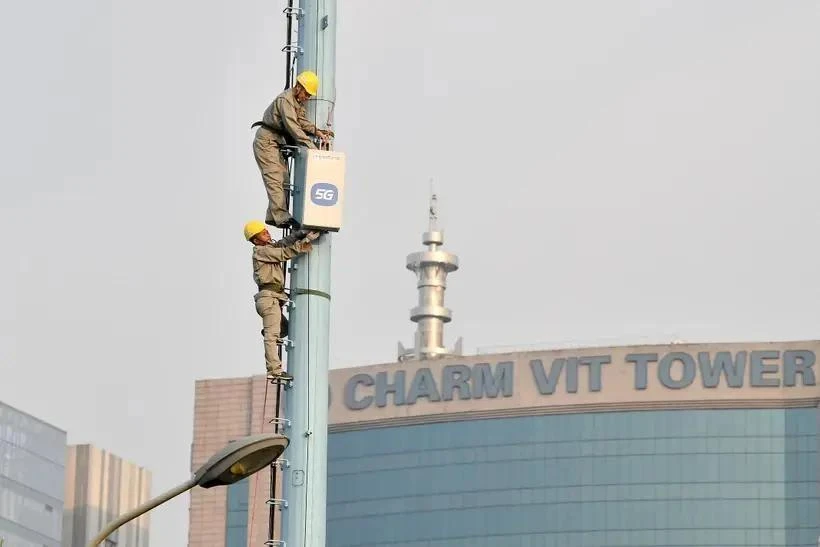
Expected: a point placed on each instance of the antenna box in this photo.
(318, 188)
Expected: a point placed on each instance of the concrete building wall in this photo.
(32, 467)
(225, 410)
(100, 486)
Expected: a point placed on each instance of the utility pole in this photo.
(306, 403)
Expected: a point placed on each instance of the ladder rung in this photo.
(280, 463)
(277, 502)
(280, 421)
(278, 380)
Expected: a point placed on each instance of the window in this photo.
(706, 478)
(236, 522)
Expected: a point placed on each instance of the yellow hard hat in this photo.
(310, 81)
(254, 227)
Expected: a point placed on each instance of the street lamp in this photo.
(238, 460)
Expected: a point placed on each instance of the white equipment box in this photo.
(318, 188)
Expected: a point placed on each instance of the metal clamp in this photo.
(290, 11)
(290, 48)
(276, 543)
(281, 503)
(312, 292)
(284, 422)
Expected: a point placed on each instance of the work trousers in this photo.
(274, 171)
(269, 308)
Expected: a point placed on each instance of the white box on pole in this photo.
(319, 182)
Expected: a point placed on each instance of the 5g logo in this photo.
(324, 194)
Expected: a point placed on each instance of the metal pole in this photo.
(305, 481)
(144, 508)
(289, 54)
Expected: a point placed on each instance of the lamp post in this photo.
(238, 460)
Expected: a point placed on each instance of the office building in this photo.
(683, 444)
(32, 467)
(100, 486)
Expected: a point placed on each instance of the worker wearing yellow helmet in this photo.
(267, 258)
(284, 123)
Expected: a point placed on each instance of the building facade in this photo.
(681, 445)
(99, 486)
(32, 467)
(225, 410)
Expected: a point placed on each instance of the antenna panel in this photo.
(318, 188)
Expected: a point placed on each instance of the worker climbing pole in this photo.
(304, 182)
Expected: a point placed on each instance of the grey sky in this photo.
(608, 172)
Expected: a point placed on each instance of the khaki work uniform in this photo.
(285, 122)
(269, 278)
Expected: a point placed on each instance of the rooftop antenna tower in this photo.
(431, 268)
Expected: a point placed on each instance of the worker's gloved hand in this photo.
(324, 137)
(312, 236)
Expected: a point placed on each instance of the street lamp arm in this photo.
(144, 508)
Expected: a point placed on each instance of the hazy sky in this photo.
(608, 172)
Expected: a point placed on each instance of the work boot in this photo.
(279, 375)
(283, 224)
(291, 223)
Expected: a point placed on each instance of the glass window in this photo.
(715, 478)
(30, 509)
(16, 539)
(236, 522)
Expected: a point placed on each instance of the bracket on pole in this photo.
(283, 422)
(281, 463)
(282, 504)
(280, 381)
